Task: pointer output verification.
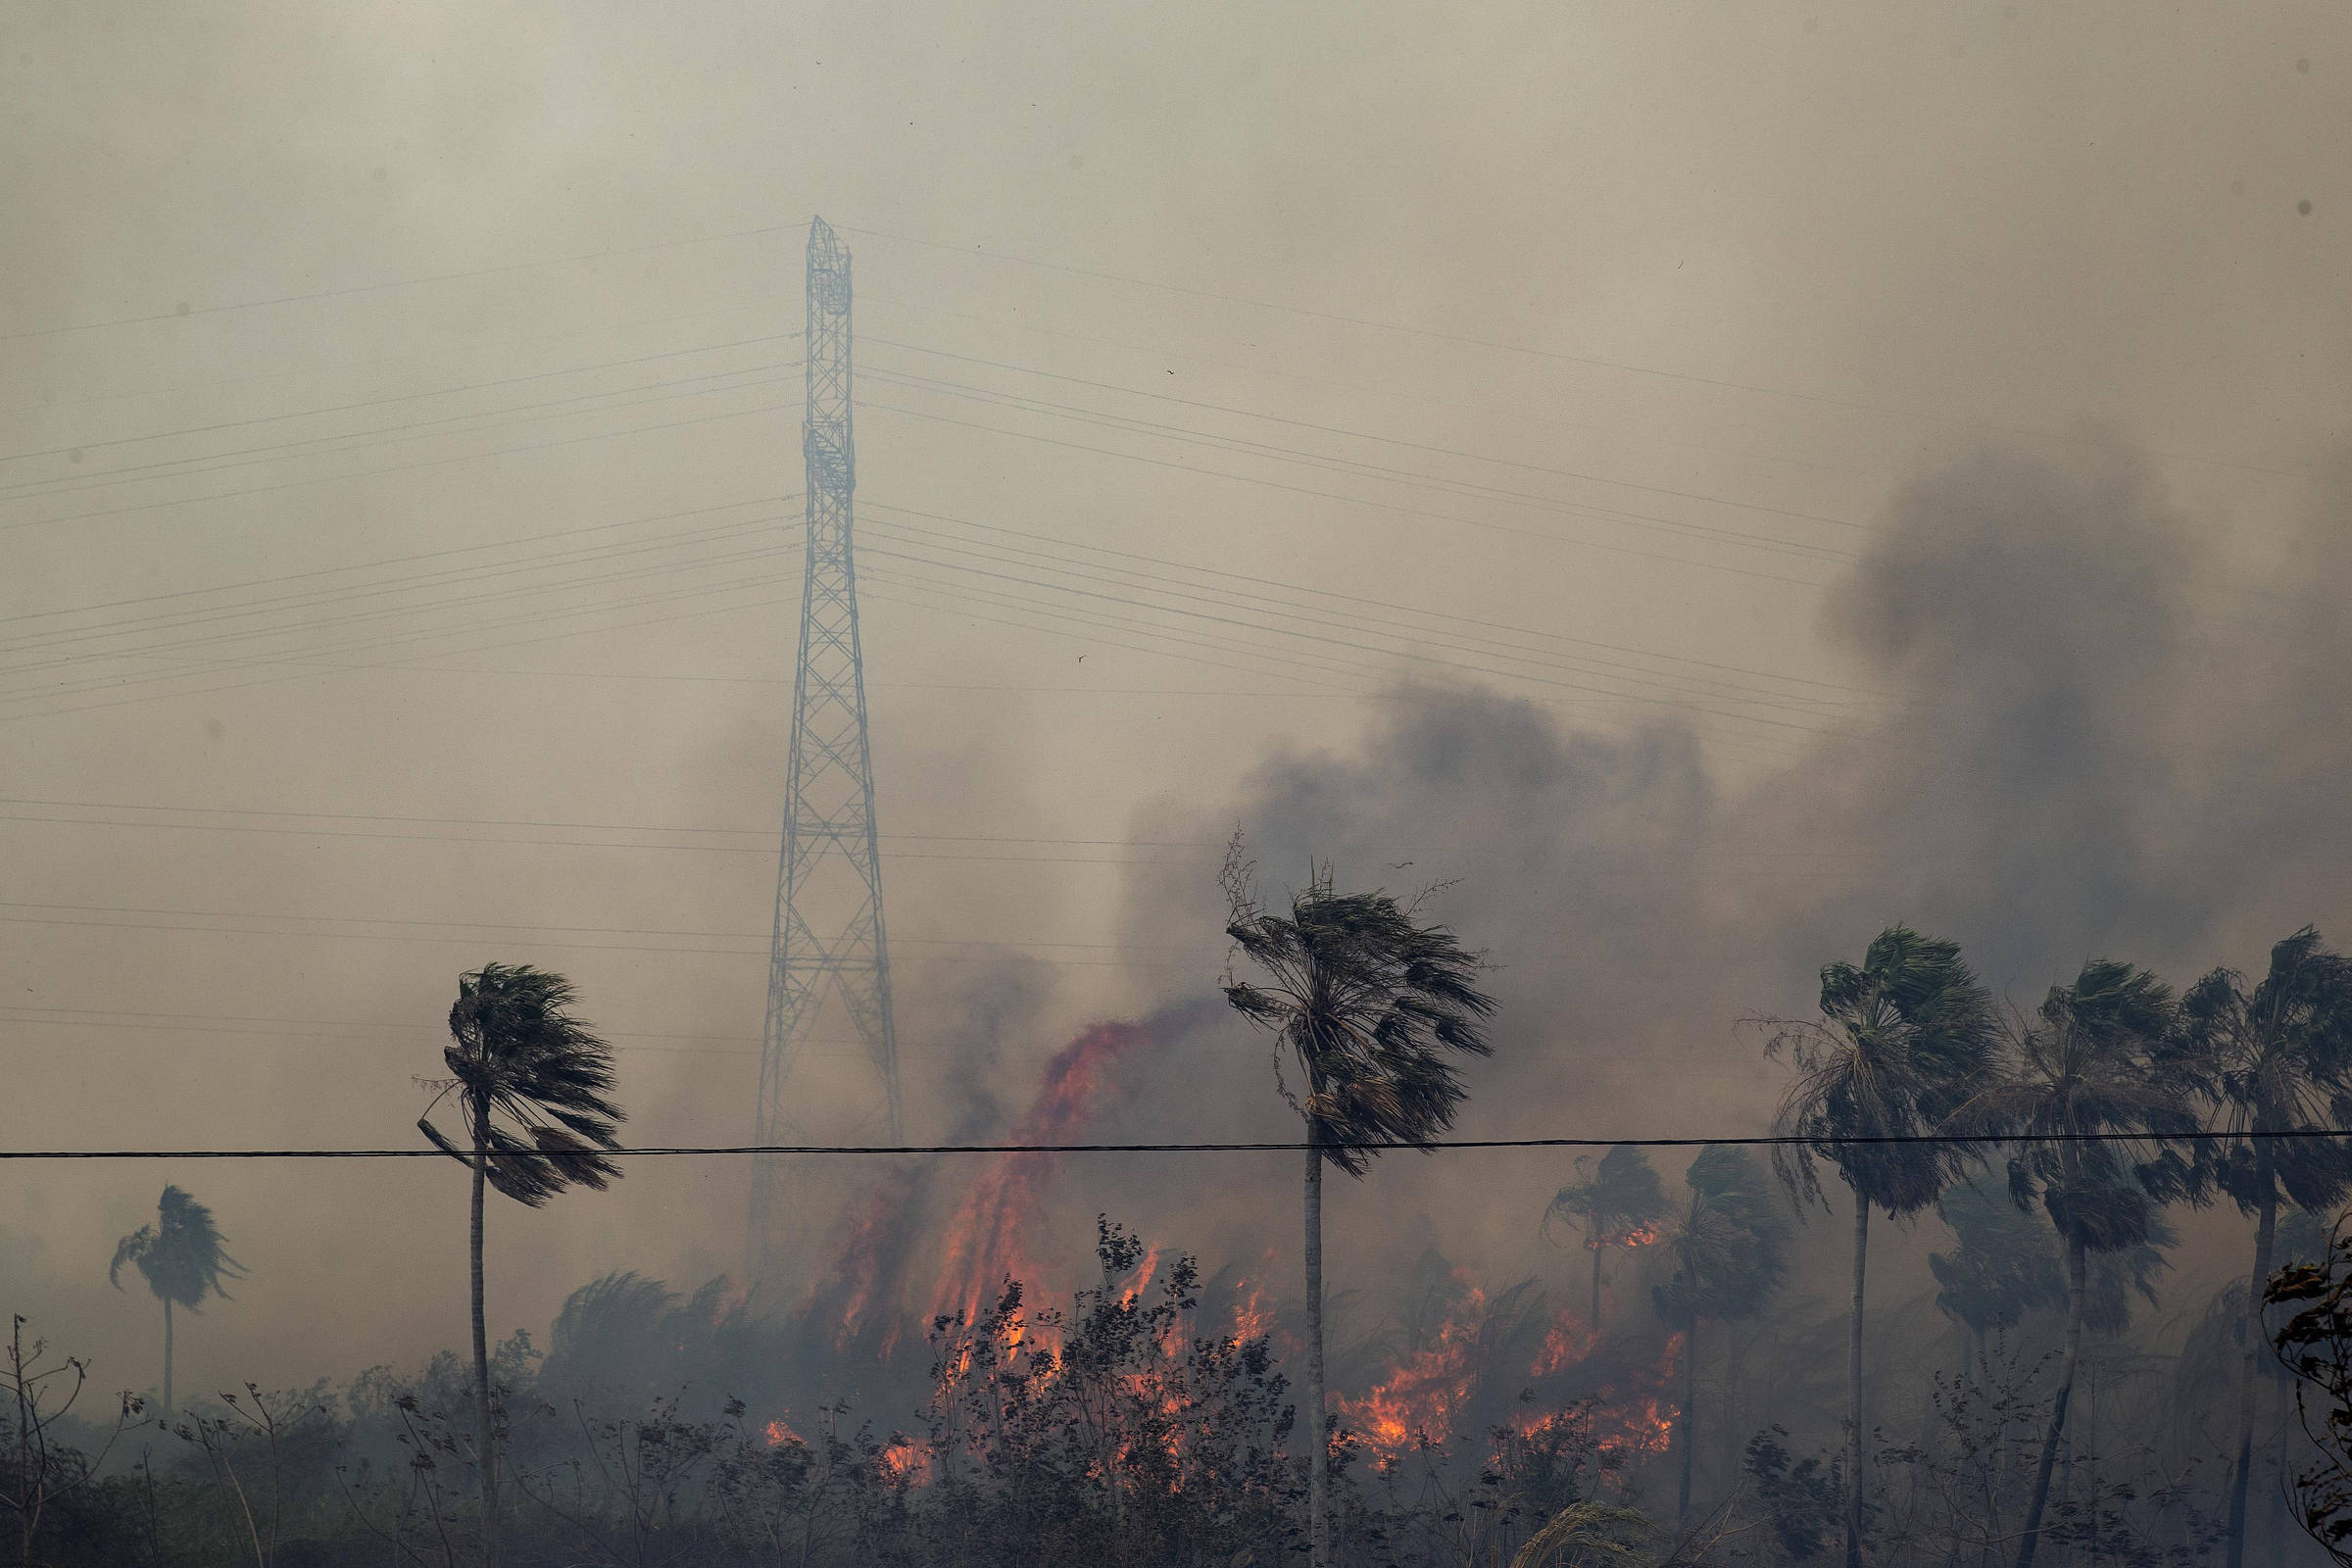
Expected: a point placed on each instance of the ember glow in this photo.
(779, 1433)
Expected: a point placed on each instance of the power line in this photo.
(1387, 440)
(1258, 622)
(1161, 353)
(1559, 355)
(389, 435)
(1434, 1145)
(607, 828)
(869, 406)
(1387, 605)
(1359, 469)
(401, 468)
(177, 621)
(404, 282)
(370, 403)
(196, 668)
(1031, 618)
(1277, 609)
(401, 561)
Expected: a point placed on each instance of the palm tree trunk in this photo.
(1318, 1452)
(1734, 1359)
(166, 1357)
(485, 1433)
(2075, 1268)
(2266, 1236)
(2275, 1525)
(1682, 1503)
(1596, 1287)
(1853, 1390)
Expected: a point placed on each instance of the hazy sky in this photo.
(399, 408)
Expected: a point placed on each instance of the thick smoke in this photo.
(2091, 731)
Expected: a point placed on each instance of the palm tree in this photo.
(1619, 1204)
(1369, 1001)
(2273, 1058)
(1725, 1250)
(182, 1260)
(2091, 1067)
(1903, 1041)
(531, 1083)
(2006, 1266)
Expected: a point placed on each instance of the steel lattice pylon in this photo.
(829, 934)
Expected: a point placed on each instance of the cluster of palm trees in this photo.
(1722, 1251)
(2112, 1100)
(533, 1086)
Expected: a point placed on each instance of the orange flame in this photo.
(901, 1460)
(990, 1238)
(1643, 1426)
(1416, 1404)
(1252, 1317)
(779, 1434)
(1569, 1340)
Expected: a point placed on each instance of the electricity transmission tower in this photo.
(830, 957)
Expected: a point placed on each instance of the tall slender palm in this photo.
(2006, 1265)
(1618, 1204)
(1725, 1252)
(2273, 1057)
(182, 1259)
(1369, 1002)
(1902, 1039)
(2090, 1066)
(533, 1085)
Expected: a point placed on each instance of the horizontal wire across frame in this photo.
(1300, 1146)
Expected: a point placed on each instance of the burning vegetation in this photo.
(941, 1394)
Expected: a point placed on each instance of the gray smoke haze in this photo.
(1810, 304)
(2093, 743)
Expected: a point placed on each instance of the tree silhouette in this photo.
(1619, 1204)
(2006, 1266)
(532, 1083)
(1902, 1039)
(2090, 1066)
(1725, 1250)
(2115, 1278)
(1369, 1002)
(2272, 1058)
(182, 1259)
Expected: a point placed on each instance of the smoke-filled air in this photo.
(1058, 787)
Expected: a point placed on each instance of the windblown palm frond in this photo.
(2005, 1266)
(2092, 1064)
(1618, 1198)
(2091, 1074)
(181, 1255)
(2268, 1060)
(1903, 1041)
(534, 1083)
(2275, 1057)
(1368, 1002)
(1720, 1265)
(2115, 1278)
